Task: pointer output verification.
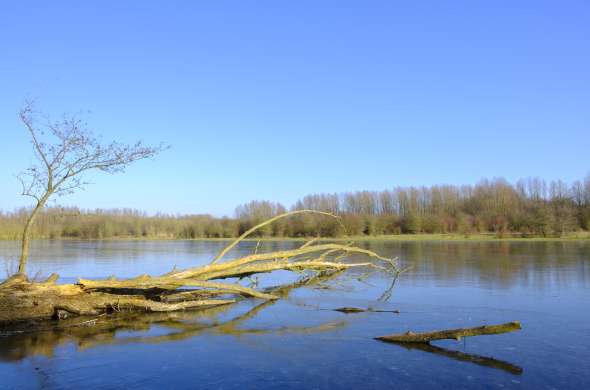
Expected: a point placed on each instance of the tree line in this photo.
(528, 207)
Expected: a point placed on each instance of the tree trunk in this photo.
(26, 241)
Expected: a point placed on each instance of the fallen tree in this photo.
(193, 288)
(41, 338)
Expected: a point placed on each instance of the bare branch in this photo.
(27, 188)
(26, 116)
(67, 149)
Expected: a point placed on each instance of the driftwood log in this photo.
(452, 334)
(193, 288)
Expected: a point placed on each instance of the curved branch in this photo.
(268, 222)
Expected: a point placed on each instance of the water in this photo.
(297, 342)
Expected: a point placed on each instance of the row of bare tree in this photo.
(531, 206)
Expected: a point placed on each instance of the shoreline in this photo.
(479, 237)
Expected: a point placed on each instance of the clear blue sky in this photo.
(278, 99)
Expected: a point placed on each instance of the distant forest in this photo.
(529, 207)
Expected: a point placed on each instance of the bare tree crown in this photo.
(65, 149)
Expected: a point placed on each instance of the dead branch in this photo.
(452, 334)
(348, 310)
(268, 222)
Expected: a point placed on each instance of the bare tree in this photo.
(65, 150)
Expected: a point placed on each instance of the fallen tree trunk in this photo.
(452, 334)
(42, 337)
(22, 300)
(192, 288)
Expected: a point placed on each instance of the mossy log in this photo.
(452, 334)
